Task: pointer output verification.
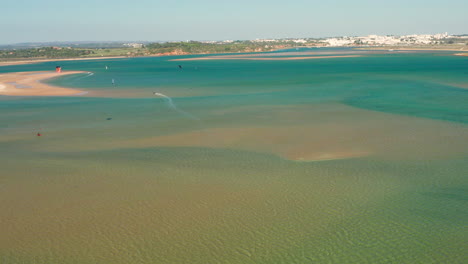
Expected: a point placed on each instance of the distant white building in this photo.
(336, 42)
(134, 45)
(301, 41)
(264, 40)
(376, 40)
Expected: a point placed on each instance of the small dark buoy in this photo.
(109, 118)
(180, 66)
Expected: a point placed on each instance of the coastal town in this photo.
(58, 50)
(373, 40)
(376, 40)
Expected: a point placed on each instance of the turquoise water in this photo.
(340, 160)
(373, 82)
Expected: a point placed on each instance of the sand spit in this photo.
(413, 49)
(243, 57)
(29, 84)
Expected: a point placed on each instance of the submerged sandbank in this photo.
(296, 132)
(29, 84)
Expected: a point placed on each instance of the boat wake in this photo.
(174, 107)
(86, 76)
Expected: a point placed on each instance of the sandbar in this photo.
(299, 133)
(29, 84)
(243, 57)
(461, 48)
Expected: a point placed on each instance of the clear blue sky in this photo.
(152, 20)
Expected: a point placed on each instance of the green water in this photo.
(343, 160)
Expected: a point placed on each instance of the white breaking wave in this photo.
(173, 106)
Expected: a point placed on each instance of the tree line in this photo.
(46, 52)
(168, 48)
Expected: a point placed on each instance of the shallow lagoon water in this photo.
(343, 160)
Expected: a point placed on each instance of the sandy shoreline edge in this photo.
(30, 84)
(26, 61)
(462, 49)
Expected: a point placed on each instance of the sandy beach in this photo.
(243, 57)
(29, 84)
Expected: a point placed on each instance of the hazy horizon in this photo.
(201, 40)
(49, 21)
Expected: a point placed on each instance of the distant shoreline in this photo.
(31, 61)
